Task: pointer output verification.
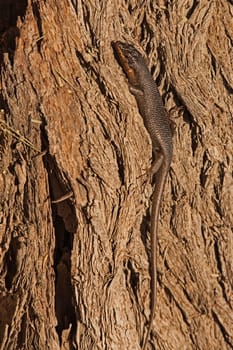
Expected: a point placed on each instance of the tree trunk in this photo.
(75, 194)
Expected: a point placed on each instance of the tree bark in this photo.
(75, 194)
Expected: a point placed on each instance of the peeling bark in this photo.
(75, 196)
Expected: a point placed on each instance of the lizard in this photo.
(157, 123)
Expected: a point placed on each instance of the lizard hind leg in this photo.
(156, 166)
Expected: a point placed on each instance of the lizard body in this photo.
(150, 104)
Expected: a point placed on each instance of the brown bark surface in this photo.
(74, 274)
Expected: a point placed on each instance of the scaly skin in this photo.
(150, 104)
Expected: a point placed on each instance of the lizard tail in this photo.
(156, 201)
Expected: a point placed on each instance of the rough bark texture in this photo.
(75, 274)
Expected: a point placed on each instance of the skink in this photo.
(150, 104)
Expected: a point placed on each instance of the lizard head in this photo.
(128, 57)
(126, 52)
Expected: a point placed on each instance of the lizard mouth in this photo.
(126, 56)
